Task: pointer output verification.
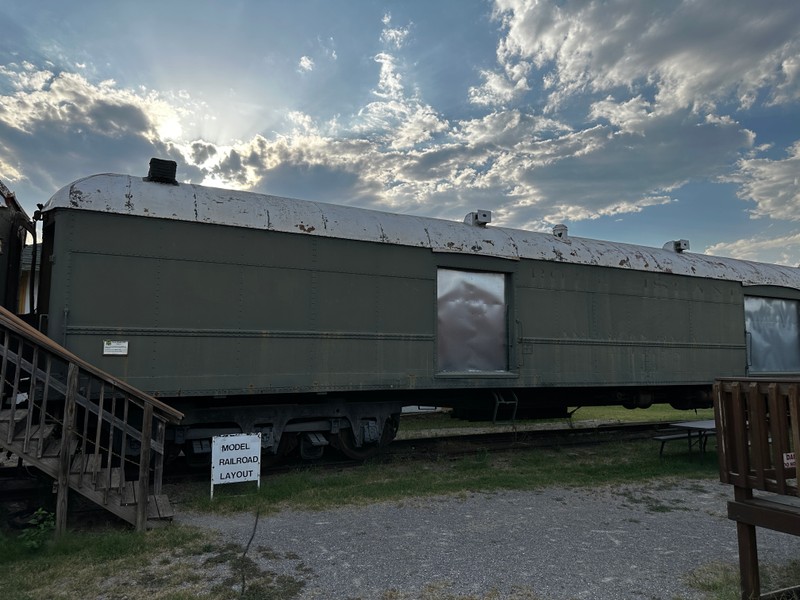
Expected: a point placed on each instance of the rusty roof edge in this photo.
(125, 194)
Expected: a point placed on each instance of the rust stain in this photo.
(75, 197)
(305, 228)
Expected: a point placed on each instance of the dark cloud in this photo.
(627, 168)
(113, 119)
(202, 151)
(316, 182)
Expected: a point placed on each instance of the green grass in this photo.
(173, 563)
(378, 480)
(718, 581)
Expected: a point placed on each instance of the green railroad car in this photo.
(315, 323)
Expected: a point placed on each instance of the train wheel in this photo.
(345, 441)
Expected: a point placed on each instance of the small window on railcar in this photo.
(773, 335)
(472, 332)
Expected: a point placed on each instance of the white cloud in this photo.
(68, 100)
(328, 48)
(306, 64)
(390, 84)
(687, 54)
(773, 185)
(780, 249)
(394, 37)
(401, 154)
(497, 89)
(509, 128)
(630, 116)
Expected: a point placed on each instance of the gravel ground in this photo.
(633, 542)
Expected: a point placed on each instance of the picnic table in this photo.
(696, 434)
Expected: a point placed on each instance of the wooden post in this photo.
(158, 472)
(748, 551)
(66, 437)
(144, 468)
(6, 342)
(15, 390)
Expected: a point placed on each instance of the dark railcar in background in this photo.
(316, 323)
(15, 227)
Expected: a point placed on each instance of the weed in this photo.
(720, 581)
(40, 530)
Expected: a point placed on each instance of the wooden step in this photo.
(159, 507)
(40, 432)
(19, 415)
(53, 448)
(102, 479)
(85, 463)
(19, 418)
(128, 494)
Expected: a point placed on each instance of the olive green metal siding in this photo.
(594, 326)
(219, 310)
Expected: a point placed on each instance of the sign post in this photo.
(235, 458)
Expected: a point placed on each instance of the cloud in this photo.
(69, 101)
(601, 144)
(630, 116)
(394, 37)
(397, 152)
(390, 84)
(497, 89)
(305, 65)
(601, 171)
(780, 249)
(202, 152)
(682, 54)
(328, 47)
(773, 185)
(58, 126)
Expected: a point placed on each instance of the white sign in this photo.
(235, 458)
(115, 347)
(789, 460)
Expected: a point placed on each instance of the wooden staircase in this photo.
(91, 432)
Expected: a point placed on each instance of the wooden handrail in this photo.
(757, 432)
(45, 388)
(18, 326)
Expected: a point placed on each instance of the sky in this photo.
(626, 120)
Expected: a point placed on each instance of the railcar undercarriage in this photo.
(357, 429)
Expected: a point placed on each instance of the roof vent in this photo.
(677, 246)
(479, 218)
(162, 171)
(561, 232)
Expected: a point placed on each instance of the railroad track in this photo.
(510, 437)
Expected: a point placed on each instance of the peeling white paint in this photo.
(124, 194)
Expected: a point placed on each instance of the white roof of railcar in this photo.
(129, 195)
